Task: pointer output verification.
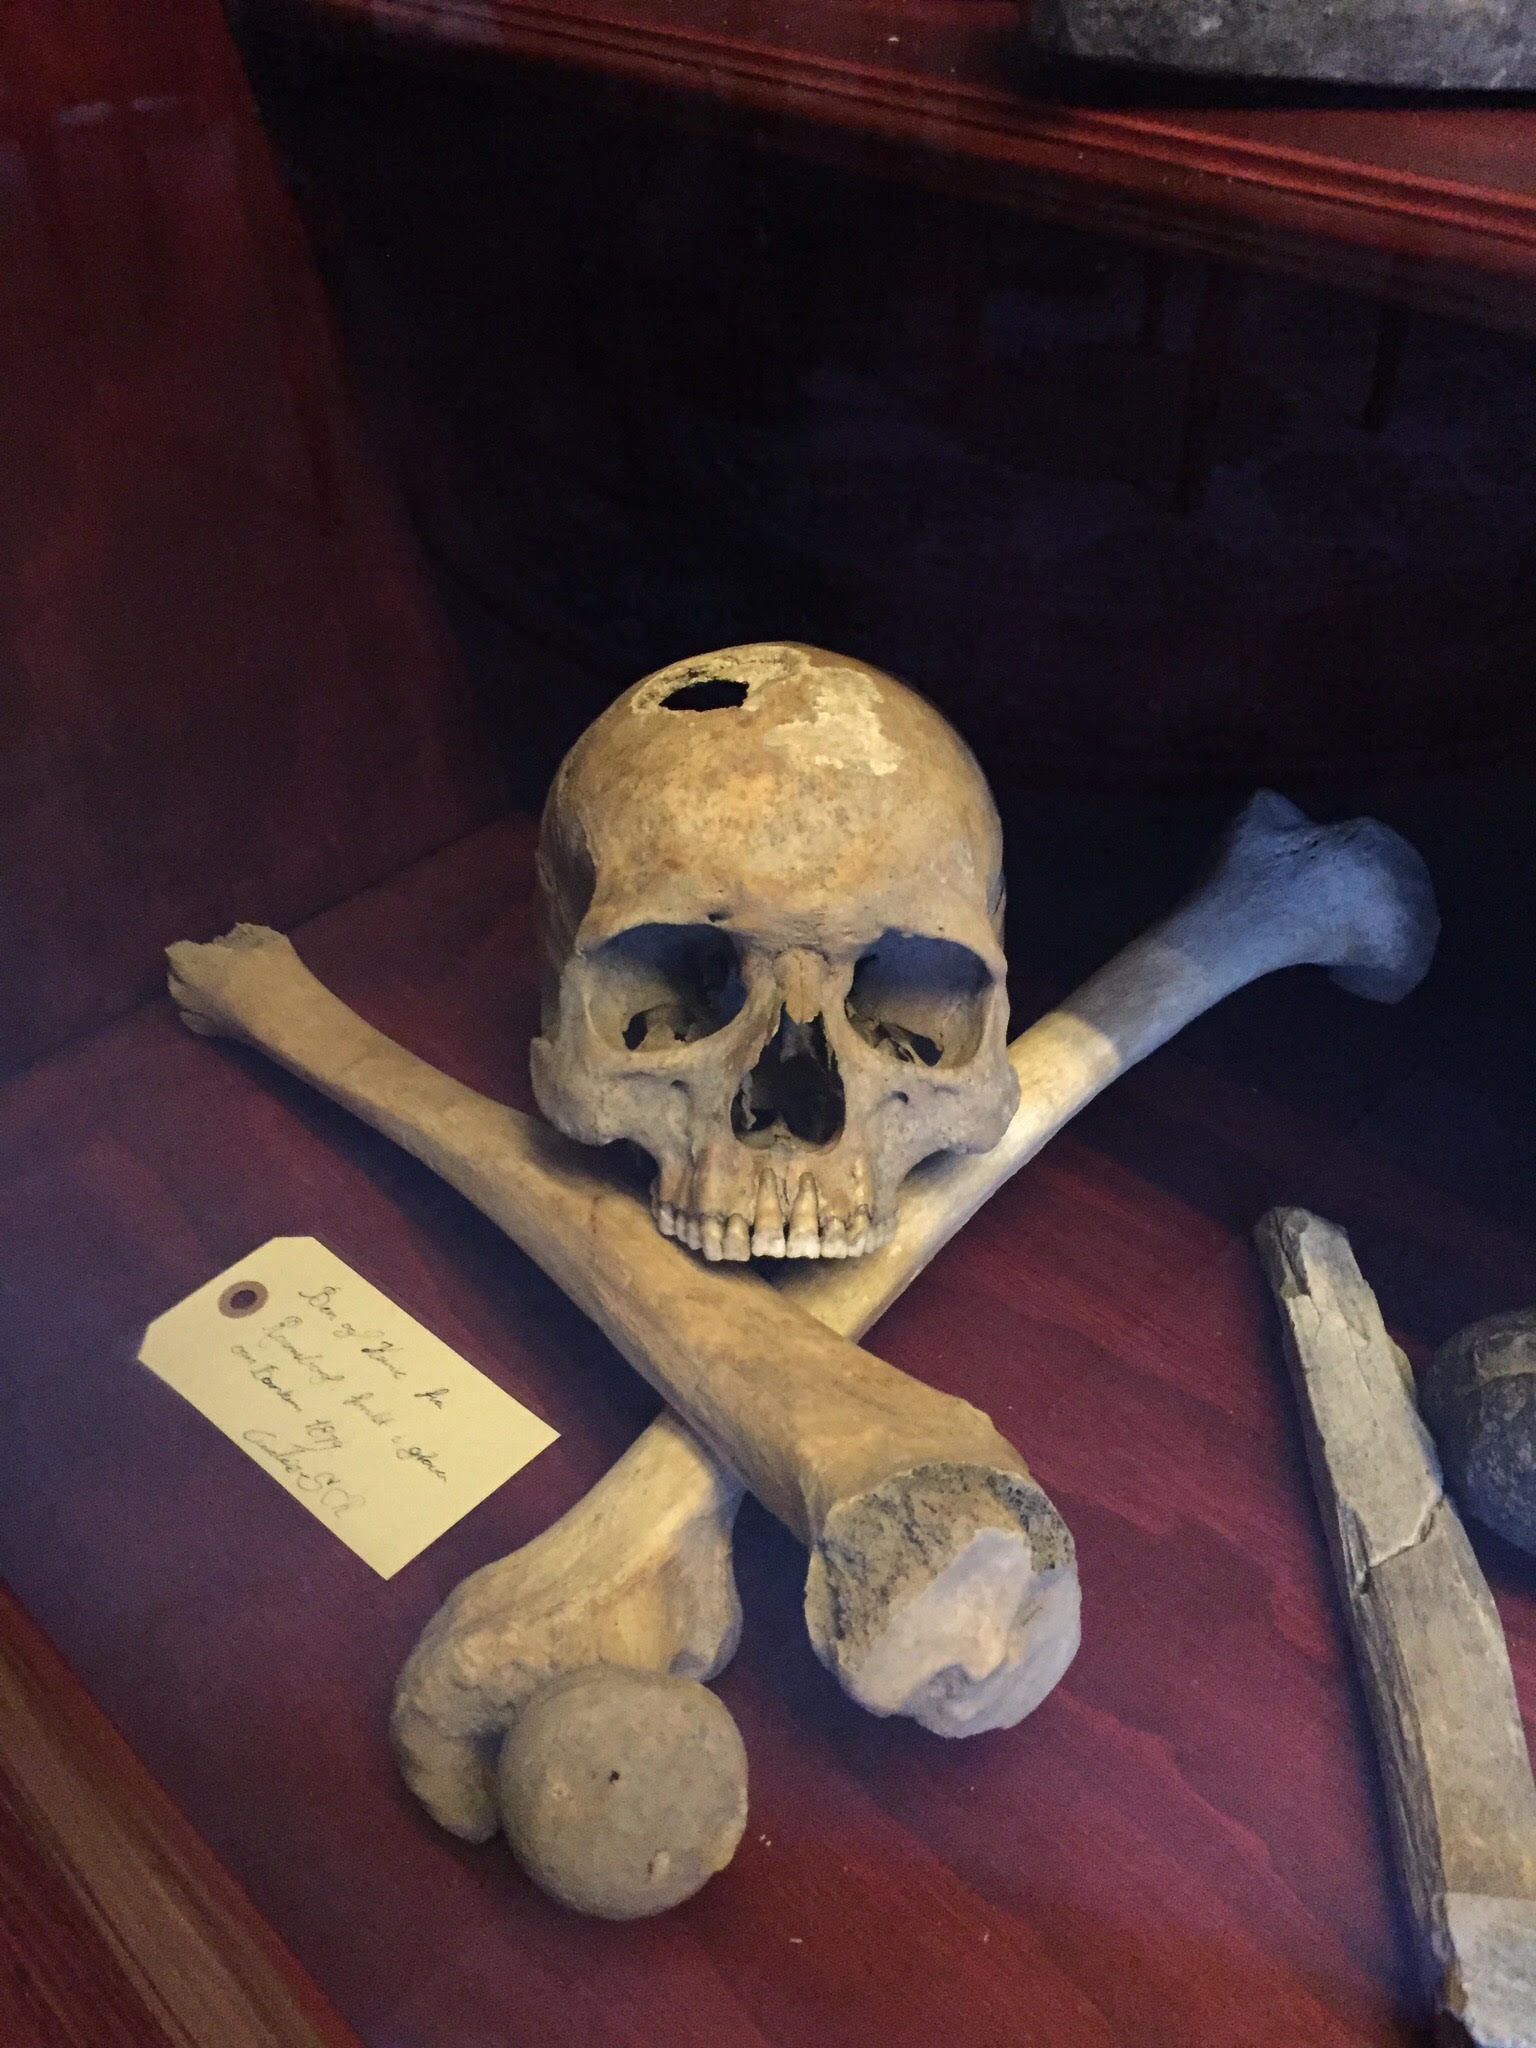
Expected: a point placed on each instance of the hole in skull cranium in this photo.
(920, 1000)
(710, 693)
(794, 1089)
(663, 985)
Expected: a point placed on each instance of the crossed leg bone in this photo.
(941, 1583)
(942, 1580)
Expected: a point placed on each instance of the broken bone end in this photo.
(949, 1594)
(622, 1792)
(1490, 1975)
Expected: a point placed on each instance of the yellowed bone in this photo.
(897, 1489)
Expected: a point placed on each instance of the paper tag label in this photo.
(367, 1419)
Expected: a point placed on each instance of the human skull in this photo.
(772, 897)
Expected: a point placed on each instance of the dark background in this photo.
(646, 392)
(649, 393)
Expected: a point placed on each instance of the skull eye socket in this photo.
(920, 1000)
(663, 985)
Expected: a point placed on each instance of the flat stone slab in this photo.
(1450, 45)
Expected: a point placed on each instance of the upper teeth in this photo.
(807, 1234)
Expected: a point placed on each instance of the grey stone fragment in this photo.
(622, 1792)
(1479, 1397)
(1454, 45)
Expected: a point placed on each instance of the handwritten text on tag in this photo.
(375, 1425)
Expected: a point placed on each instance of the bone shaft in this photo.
(1282, 893)
(665, 1483)
(479, 1147)
(803, 1416)
(1431, 1653)
(1216, 941)
(1061, 1066)
(1137, 1002)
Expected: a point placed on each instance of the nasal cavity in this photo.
(793, 1091)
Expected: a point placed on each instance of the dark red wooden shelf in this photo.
(1184, 1847)
(118, 1928)
(1431, 204)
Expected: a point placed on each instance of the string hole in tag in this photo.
(243, 1298)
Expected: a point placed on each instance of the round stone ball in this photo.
(1479, 1398)
(622, 1792)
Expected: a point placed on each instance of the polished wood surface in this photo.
(1184, 1848)
(1430, 204)
(118, 1929)
(220, 663)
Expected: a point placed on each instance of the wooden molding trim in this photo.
(183, 1959)
(1426, 206)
